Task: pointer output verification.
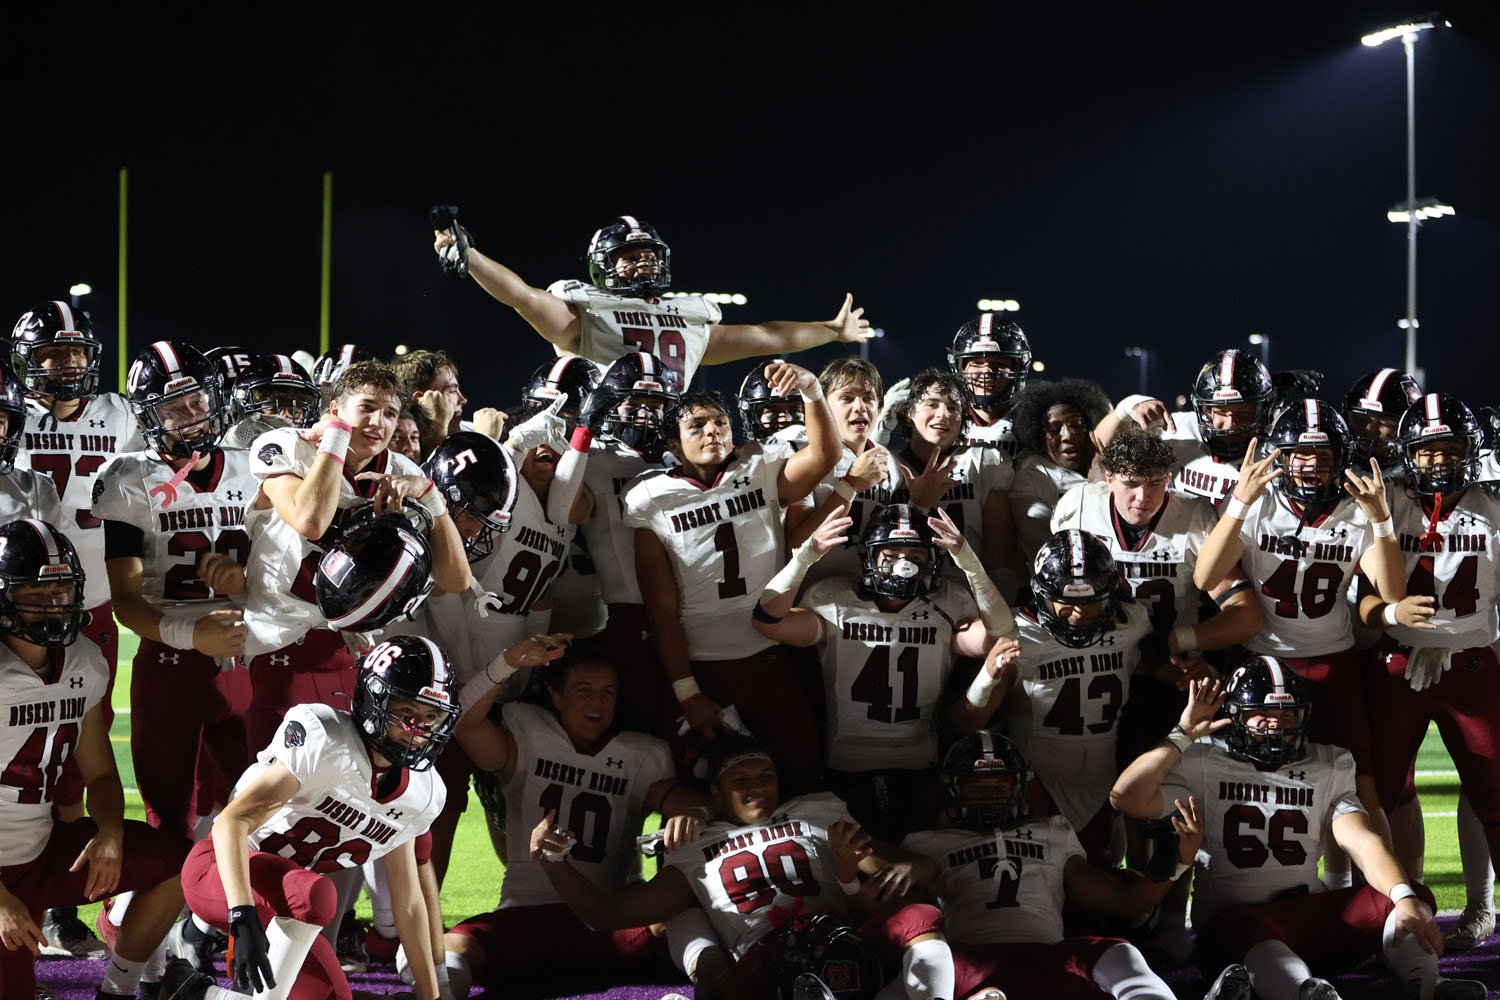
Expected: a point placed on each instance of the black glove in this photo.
(251, 962)
(455, 259)
(596, 408)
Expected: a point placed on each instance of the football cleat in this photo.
(69, 937)
(181, 981)
(1472, 926)
(1317, 989)
(187, 942)
(1233, 984)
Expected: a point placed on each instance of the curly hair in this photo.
(708, 399)
(1029, 413)
(946, 384)
(1137, 453)
(842, 371)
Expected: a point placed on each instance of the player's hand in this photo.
(929, 487)
(438, 405)
(490, 422)
(1415, 917)
(1256, 473)
(1205, 698)
(220, 634)
(1189, 826)
(1153, 414)
(945, 533)
(545, 427)
(221, 573)
(391, 490)
(597, 408)
(1004, 655)
(895, 401)
(251, 965)
(102, 854)
(1190, 668)
(1414, 610)
(17, 929)
(849, 845)
(537, 650)
(684, 829)
(702, 713)
(442, 239)
(314, 434)
(1369, 491)
(783, 378)
(550, 843)
(868, 469)
(830, 534)
(1426, 666)
(850, 324)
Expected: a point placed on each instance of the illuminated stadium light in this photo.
(1427, 208)
(717, 298)
(1401, 31)
(1038, 366)
(998, 305)
(82, 288)
(1256, 338)
(401, 349)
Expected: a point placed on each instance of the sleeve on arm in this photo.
(1342, 797)
(1069, 508)
(275, 452)
(1176, 785)
(116, 498)
(299, 743)
(123, 541)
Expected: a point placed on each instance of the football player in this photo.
(331, 364)
(767, 418)
(1064, 682)
(1447, 536)
(887, 644)
(23, 493)
(767, 855)
(1053, 422)
(272, 391)
(1272, 801)
(232, 362)
(567, 761)
(436, 402)
(1372, 408)
(622, 309)
(52, 687)
(1003, 879)
(708, 537)
(994, 359)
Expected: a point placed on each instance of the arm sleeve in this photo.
(1067, 513)
(275, 452)
(299, 744)
(123, 541)
(1176, 785)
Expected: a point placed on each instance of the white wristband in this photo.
(844, 489)
(1389, 615)
(1178, 737)
(177, 632)
(1383, 529)
(499, 670)
(851, 887)
(1236, 508)
(1182, 866)
(982, 687)
(1122, 410)
(685, 689)
(433, 501)
(1400, 891)
(335, 441)
(1187, 638)
(812, 395)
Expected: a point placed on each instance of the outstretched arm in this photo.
(736, 343)
(1222, 548)
(1137, 791)
(638, 905)
(548, 315)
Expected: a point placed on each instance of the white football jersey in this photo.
(741, 873)
(1159, 567)
(207, 515)
(1039, 484)
(1263, 831)
(1301, 577)
(789, 439)
(611, 467)
(281, 601)
(1065, 708)
(72, 452)
(844, 561)
(1198, 474)
(609, 326)
(24, 494)
(999, 434)
(43, 719)
(725, 539)
(1462, 571)
(884, 672)
(1001, 887)
(336, 820)
(600, 797)
(521, 569)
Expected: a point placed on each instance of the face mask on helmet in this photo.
(1267, 693)
(899, 558)
(54, 352)
(299, 405)
(1076, 588)
(1314, 444)
(627, 257)
(766, 417)
(985, 783)
(41, 585)
(1440, 441)
(477, 478)
(636, 423)
(177, 399)
(1372, 409)
(13, 415)
(404, 702)
(1232, 398)
(992, 358)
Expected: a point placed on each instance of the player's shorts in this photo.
(1331, 931)
(768, 694)
(1061, 971)
(316, 669)
(523, 940)
(890, 803)
(1339, 714)
(104, 633)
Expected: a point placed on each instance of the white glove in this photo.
(1425, 667)
(484, 601)
(544, 428)
(895, 398)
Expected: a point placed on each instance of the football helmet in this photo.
(33, 552)
(331, 364)
(178, 399)
(1075, 567)
(477, 476)
(898, 524)
(13, 408)
(1309, 423)
(275, 385)
(633, 376)
(569, 376)
(755, 400)
(986, 336)
(232, 362)
(627, 233)
(1264, 683)
(1438, 416)
(411, 667)
(1383, 395)
(55, 324)
(815, 956)
(378, 570)
(985, 754)
(1232, 378)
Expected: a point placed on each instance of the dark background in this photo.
(1170, 177)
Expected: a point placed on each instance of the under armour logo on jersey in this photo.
(1297, 775)
(922, 615)
(76, 682)
(280, 659)
(165, 657)
(562, 529)
(1465, 520)
(234, 495)
(1161, 555)
(394, 813)
(614, 762)
(95, 423)
(741, 482)
(1106, 640)
(1024, 833)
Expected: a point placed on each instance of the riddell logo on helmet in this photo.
(1432, 429)
(436, 694)
(1312, 437)
(1078, 590)
(648, 386)
(59, 569)
(179, 383)
(1232, 395)
(638, 234)
(903, 530)
(1282, 698)
(986, 344)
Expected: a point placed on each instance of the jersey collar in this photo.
(1150, 528)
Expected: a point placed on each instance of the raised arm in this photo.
(736, 343)
(993, 608)
(806, 468)
(987, 691)
(1146, 412)
(1381, 562)
(774, 617)
(489, 746)
(1137, 791)
(548, 315)
(1222, 548)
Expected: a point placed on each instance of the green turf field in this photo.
(473, 882)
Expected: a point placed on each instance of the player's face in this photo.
(937, 417)
(903, 561)
(988, 789)
(407, 440)
(1232, 418)
(372, 416)
(1310, 467)
(1436, 456)
(749, 790)
(779, 415)
(539, 466)
(447, 382)
(641, 411)
(1377, 430)
(1267, 723)
(988, 374)
(1067, 437)
(705, 437)
(36, 601)
(586, 704)
(1077, 615)
(4, 424)
(55, 356)
(637, 263)
(181, 413)
(856, 408)
(1138, 495)
(413, 722)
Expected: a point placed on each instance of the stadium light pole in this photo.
(1412, 215)
(1144, 355)
(1262, 341)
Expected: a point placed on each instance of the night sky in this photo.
(1172, 180)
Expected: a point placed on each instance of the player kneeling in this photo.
(53, 686)
(762, 874)
(1005, 913)
(1258, 899)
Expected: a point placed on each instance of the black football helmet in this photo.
(378, 570)
(1232, 378)
(331, 364)
(13, 409)
(986, 336)
(411, 667)
(33, 552)
(178, 399)
(1382, 395)
(633, 376)
(569, 376)
(627, 233)
(1438, 416)
(1075, 567)
(1261, 684)
(756, 403)
(1309, 423)
(275, 385)
(477, 476)
(232, 362)
(818, 958)
(898, 524)
(985, 754)
(55, 324)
